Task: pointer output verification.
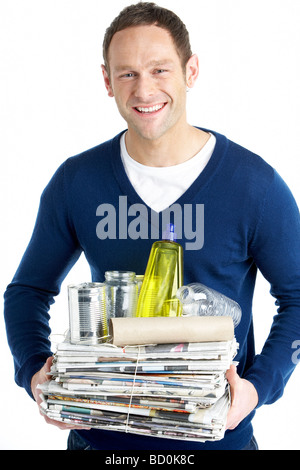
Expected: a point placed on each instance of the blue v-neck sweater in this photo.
(244, 218)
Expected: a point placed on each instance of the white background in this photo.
(53, 105)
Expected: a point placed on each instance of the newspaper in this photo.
(169, 390)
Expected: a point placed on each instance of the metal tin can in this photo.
(87, 313)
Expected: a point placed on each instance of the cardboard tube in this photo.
(163, 330)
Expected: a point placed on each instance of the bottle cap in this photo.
(169, 234)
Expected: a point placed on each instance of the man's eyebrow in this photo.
(152, 63)
(159, 63)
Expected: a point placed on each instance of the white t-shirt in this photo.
(160, 187)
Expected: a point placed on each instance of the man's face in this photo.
(147, 80)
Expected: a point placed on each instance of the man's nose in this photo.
(145, 87)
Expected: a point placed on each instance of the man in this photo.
(250, 222)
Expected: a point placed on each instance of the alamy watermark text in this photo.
(132, 222)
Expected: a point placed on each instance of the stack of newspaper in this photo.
(169, 390)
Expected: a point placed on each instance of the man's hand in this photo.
(244, 398)
(39, 378)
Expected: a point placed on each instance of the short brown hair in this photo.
(146, 13)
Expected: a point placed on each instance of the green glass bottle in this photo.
(162, 279)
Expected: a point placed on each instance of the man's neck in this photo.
(167, 150)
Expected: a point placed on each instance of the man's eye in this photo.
(128, 75)
(160, 71)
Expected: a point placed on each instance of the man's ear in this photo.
(107, 81)
(192, 71)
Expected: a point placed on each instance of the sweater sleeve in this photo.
(50, 254)
(276, 251)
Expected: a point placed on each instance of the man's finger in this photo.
(233, 378)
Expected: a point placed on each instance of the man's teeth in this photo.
(151, 109)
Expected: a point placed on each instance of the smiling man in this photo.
(149, 83)
(166, 166)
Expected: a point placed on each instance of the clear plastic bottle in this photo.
(198, 299)
(163, 277)
(121, 294)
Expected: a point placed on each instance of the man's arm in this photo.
(52, 251)
(276, 251)
(275, 248)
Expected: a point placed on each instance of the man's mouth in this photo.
(150, 109)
